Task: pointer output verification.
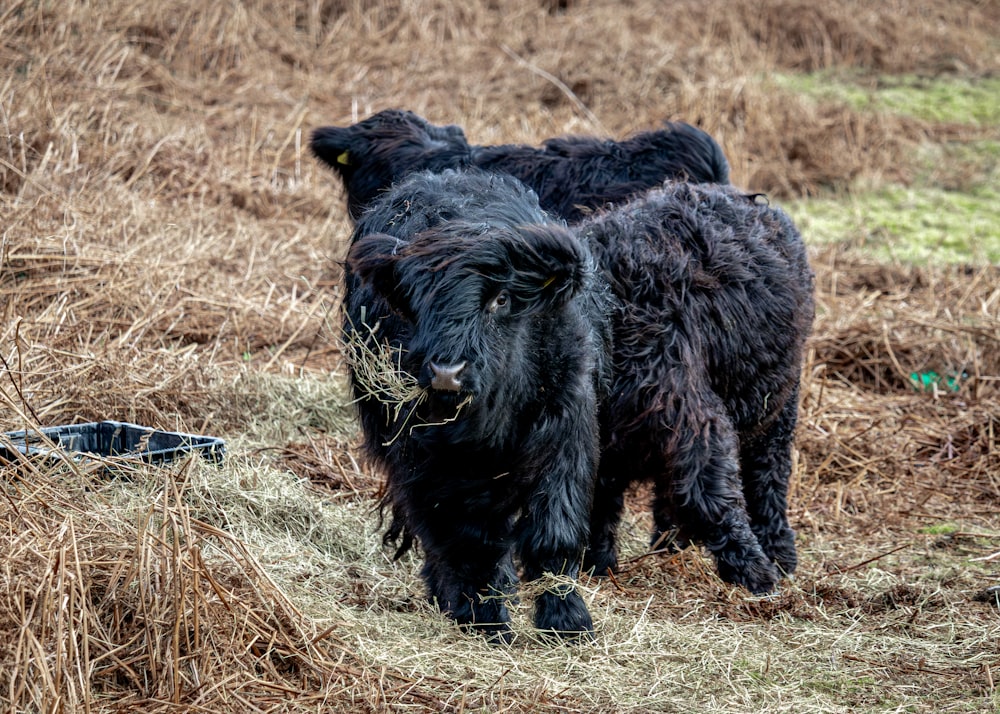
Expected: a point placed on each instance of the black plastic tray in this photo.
(112, 438)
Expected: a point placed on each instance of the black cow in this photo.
(572, 175)
(714, 301)
(711, 301)
(491, 310)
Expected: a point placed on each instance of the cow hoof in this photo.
(499, 634)
(780, 548)
(563, 617)
(600, 564)
(759, 576)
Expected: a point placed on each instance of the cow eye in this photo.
(500, 302)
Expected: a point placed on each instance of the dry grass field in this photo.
(169, 256)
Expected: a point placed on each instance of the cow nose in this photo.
(446, 378)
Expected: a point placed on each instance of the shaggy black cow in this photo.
(714, 301)
(571, 175)
(462, 285)
(484, 297)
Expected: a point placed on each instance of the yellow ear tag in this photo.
(344, 158)
(548, 282)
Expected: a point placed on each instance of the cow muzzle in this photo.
(447, 378)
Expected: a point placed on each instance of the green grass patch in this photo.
(922, 225)
(940, 529)
(937, 99)
(951, 212)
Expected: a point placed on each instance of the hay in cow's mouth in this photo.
(379, 374)
(378, 370)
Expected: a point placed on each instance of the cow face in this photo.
(477, 300)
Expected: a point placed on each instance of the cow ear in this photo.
(332, 146)
(373, 260)
(550, 266)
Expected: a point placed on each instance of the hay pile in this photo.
(122, 594)
(169, 256)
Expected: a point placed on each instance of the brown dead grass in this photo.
(170, 257)
(119, 610)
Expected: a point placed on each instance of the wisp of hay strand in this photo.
(378, 372)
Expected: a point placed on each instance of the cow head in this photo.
(373, 154)
(480, 302)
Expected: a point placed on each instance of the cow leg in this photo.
(766, 464)
(472, 577)
(701, 491)
(666, 535)
(609, 498)
(667, 538)
(553, 529)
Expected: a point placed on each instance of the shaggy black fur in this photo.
(714, 303)
(572, 175)
(486, 300)
(711, 301)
